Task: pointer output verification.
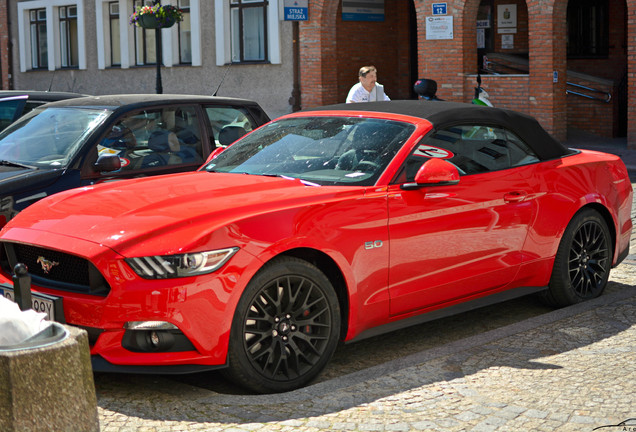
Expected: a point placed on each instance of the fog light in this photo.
(154, 339)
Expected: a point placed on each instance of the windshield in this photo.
(320, 150)
(49, 137)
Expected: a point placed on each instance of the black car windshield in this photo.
(319, 150)
(49, 137)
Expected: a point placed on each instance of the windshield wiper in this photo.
(15, 164)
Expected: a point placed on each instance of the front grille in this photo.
(54, 269)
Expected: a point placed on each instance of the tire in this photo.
(285, 329)
(583, 261)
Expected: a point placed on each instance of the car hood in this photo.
(190, 205)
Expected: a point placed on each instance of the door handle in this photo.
(515, 196)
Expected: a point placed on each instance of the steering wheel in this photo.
(366, 166)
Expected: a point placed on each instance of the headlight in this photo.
(183, 265)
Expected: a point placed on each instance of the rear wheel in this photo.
(285, 329)
(583, 261)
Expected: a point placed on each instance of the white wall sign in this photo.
(507, 16)
(481, 38)
(439, 27)
(507, 41)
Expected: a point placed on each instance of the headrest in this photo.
(158, 141)
(229, 134)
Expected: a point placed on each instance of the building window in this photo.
(145, 52)
(248, 22)
(114, 26)
(185, 33)
(247, 31)
(39, 46)
(51, 34)
(588, 29)
(68, 36)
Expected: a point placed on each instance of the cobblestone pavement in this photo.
(509, 367)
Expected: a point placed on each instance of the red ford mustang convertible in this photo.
(321, 226)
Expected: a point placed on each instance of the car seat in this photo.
(161, 155)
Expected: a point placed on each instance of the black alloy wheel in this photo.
(583, 261)
(286, 327)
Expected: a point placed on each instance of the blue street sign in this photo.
(440, 8)
(296, 10)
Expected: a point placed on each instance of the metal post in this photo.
(159, 87)
(159, 60)
(22, 286)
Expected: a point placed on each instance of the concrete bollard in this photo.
(46, 383)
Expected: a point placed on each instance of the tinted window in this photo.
(473, 149)
(8, 110)
(228, 124)
(155, 138)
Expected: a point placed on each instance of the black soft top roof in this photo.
(443, 114)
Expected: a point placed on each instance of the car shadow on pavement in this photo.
(516, 335)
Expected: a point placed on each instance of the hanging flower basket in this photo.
(157, 16)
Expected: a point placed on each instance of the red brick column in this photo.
(447, 61)
(318, 78)
(547, 32)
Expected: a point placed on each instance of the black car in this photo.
(15, 103)
(88, 140)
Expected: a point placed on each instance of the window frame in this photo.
(53, 37)
(170, 36)
(222, 28)
(66, 36)
(581, 31)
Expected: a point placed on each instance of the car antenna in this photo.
(51, 83)
(222, 79)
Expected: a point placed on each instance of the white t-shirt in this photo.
(359, 94)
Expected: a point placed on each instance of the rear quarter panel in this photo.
(563, 187)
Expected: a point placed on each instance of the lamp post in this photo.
(158, 55)
(156, 18)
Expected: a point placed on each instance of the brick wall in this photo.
(338, 49)
(591, 115)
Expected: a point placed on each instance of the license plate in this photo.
(51, 306)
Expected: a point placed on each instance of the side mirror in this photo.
(217, 151)
(107, 162)
(434, 172)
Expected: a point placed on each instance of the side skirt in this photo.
(448, 311)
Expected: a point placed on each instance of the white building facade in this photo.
(236, 48)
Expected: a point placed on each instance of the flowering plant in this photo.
(162, 16)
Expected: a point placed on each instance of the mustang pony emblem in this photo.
(46, 264)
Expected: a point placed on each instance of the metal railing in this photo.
(488, 68)
(606, 99)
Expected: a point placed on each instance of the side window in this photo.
(473, 149)
(227, 124)
(155, 138)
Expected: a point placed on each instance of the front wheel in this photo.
(285, 328)
(583, 261)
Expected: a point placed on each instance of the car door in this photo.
(455, 241)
